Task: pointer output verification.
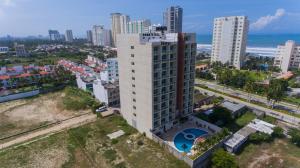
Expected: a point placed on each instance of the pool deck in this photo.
(170, 134)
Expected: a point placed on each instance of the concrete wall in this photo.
(19, 96)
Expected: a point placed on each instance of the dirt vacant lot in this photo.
(278, 154)
(26, 114)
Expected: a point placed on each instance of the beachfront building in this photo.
(172, 18)
(288, 56)
(138, 26)
(229, 40)
(156, 75)
(118, 25)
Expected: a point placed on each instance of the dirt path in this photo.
(75, 122)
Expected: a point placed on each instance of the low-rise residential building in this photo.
(107, 92)
(85, 83)
(235, 108)
(239, 138)
(288, 56)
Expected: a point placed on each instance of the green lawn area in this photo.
(278, 154)
(256, 75)
(240, 122)
(245, 119)
(88, 146)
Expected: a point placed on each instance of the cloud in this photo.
(264, 21)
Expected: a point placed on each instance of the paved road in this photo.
(72, 123)
(280, 105)
(283, 117)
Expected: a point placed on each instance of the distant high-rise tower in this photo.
(118, 25)
(139, 26)
(54, 35)
(89, 36)
(69, 36)
(101, 36)
(156, 77)
(230, 40)
(288, 56)
(173, 19)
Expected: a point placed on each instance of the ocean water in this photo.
(268, 41)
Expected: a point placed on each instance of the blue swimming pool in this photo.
(184, 140)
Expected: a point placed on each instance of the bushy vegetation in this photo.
(220, 114)
(260, 137)
(77, 99)
(209, 142)
(222, 159)
(295, 136)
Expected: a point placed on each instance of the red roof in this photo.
(4, 77)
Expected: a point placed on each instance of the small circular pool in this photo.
(184, 140)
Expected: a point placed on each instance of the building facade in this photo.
(118, 25)
(156, 77)
(4, 50)
(89, 36)
(288, 56)
(173, 19)
(107, 92)
(69, 36)
(230, 40)
(101, 36)
(138, 26)
(54, 35)
(21, 51)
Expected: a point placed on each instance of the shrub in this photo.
(295, 134)
(140, 143)
(277, 132)
(222, 159)
(260, 137)
(114, 141)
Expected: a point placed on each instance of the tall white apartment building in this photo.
(156, 75)
(288, 56)
(230, 40)
(101, 36)
(138, 26)
(173, 19)
(118, 25)
(69, 36)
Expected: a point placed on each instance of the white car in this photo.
(101, 109)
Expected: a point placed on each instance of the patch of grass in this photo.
(245, 119)
(110, 154)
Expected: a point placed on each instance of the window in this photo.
(132, 55)
(132, 63)
(133, 78)
(133, 71)
(133, 100)
(133, 85)
(133, 93)
(134, 107)
(132, 47)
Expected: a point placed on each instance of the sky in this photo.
(36, 17)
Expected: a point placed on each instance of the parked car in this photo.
(101, 109)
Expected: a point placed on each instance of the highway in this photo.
(280, 105)
(294, 121)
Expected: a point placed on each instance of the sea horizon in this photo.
(257, 40)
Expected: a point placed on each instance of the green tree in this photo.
(221, 114)
(250, 88)
(276, 90)
(222, 159)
